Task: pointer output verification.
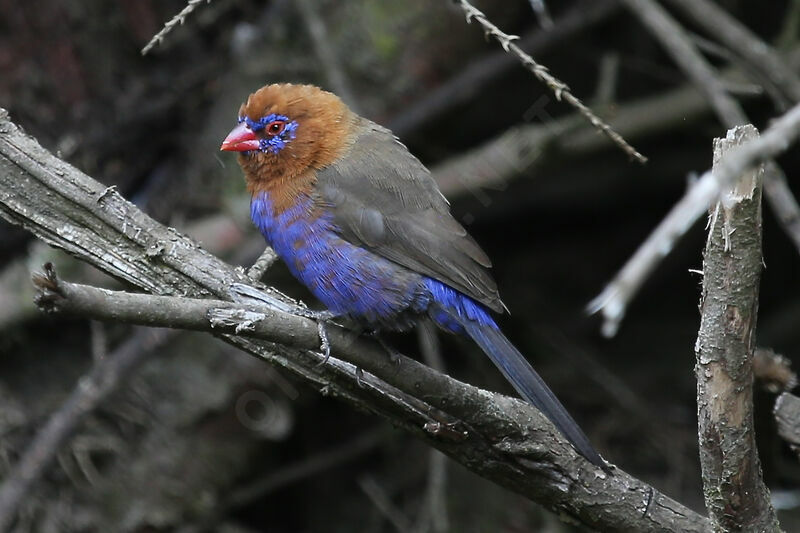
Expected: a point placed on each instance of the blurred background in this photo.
(200, 437)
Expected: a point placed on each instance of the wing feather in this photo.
(384, 199)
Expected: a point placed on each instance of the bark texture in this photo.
(734, 491)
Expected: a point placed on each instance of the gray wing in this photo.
(384, 199)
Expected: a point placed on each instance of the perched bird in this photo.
(361, 223)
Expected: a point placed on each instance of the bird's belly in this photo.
(348, 279)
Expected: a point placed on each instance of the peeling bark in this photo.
(734, 491)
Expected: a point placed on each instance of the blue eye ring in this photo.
(278, 129)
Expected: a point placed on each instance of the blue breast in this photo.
(348, 279)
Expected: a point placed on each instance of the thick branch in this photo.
(501, 439)
(734, 490)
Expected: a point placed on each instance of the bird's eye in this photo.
(275, 127)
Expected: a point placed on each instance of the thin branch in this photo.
(542, 13)
(377, 495)
(462, 87)
(170, 25)
(289, 475)
(499, 438)
(734, 489)
(92, 389)
(325, 52)
(267, 258)
(559, 88)
(434, 513)
(679, 46)
(613, 300)
(518, 150)
(787, 416)
(759, 55)
(782, 201)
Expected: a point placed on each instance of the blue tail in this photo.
(460, 314)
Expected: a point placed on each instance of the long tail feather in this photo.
(529, 385)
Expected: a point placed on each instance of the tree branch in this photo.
(612, 301)
(559, 88)
(735, 494)
(91, 391)
(787, 416)
(758, 55)
(682, 50)
(501, 439)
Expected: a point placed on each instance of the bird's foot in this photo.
(323, 318)
(359, 377)
(249, 295)
(391, 351)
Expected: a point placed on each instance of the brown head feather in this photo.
(324, 131)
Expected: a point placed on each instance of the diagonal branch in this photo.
(758, 55)
(501, 439)
(777, 139)
(92, 390)
(559, 88)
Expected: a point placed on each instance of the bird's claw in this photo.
(322, 318)
(324, 343)
(249, 295)
(360, 377)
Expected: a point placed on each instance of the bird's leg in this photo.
(394, 354)
(322, 318)
(245, 294)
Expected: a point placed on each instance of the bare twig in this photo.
(734, 490)
(787, 415)
(92, 389)
(782, 201)
(512, 154)
(559, 88)
(542, 13)
(773, 371)
(170, 25)
(377, 495)
(501, 439)
(613, 300)
(325, 52)
(288, 475)
(435, 500)
(759, 55)
(679, 45)
(473, 79)
(262, 264)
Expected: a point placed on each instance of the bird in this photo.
(360, 221)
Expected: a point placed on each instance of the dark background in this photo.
(204, 436)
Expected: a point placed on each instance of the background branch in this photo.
(91, 391)
(613, 300)
(559, 88)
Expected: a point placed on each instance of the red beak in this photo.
(240, 139)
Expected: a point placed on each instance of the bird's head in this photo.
(285, 131)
